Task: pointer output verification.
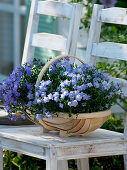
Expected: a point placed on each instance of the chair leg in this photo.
(125, 162)
(51, 164)
(83, 164)
(1, 159)
(62, 165)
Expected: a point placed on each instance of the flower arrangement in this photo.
(65, 87)
(18, 89)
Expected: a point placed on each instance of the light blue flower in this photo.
(48, 115)
(38, 116)
(30, 95)
(39, 101)
(79, 97)
(89, 84)
(46, 99)
(86, 97)
(50, 96)
(74, 103)
(61, 105)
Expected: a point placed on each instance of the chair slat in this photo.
(53, 8)
(110, 50)
(50, 41)
(121, 81)
(113, 15)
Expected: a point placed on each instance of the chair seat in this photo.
(98, 143)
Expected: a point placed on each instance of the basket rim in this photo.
(98, 114)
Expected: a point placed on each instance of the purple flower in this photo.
(29, 85)
(39, 101)
(50, 96)
(48, 115)
(108, 3)
(28, 71)
(89, 84)
(74, 103)
(23, 116)
(61, 105)
(20, 73)
(30, 95)
(86, 97)
(96, 84)
(79, 97)
(56, 99)
(13, 117)
(29, 104)
(107, 106)
(62, 96)
(38, 116)
(46, 99)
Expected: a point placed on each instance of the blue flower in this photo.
(79, 97)
(30, 95)
(48, 115)
(29, 104)
(61, 105)
(38, 116)
(46, 99)
(86, 97)
(28, 71)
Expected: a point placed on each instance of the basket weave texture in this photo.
(69, 126)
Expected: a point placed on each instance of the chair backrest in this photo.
(51, 41)
(95, 49)
(112, 50)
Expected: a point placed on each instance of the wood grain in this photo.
(113, 15)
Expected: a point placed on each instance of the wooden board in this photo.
(50, 41)
(57, 9)
(30, 141)
(113, 15)
(110, 50)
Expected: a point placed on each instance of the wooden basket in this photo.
(76, 125)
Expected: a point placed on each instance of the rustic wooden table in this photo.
(29, 140)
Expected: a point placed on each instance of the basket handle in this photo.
(42, 72)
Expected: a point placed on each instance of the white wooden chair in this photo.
(112, 50)
(51, 41)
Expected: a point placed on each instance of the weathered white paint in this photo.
(94, 34)
(30, 141)
(110, 50)
(1, 159)
(62, 165)
(53, 8)
(73, 30)
(125, 162)
(28, 53)
(50, 41)
(113, 15)
(72, 11)
(121, 81)
(83, 164)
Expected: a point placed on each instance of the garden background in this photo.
(13, 24)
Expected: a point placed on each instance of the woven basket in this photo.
(76, 125)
